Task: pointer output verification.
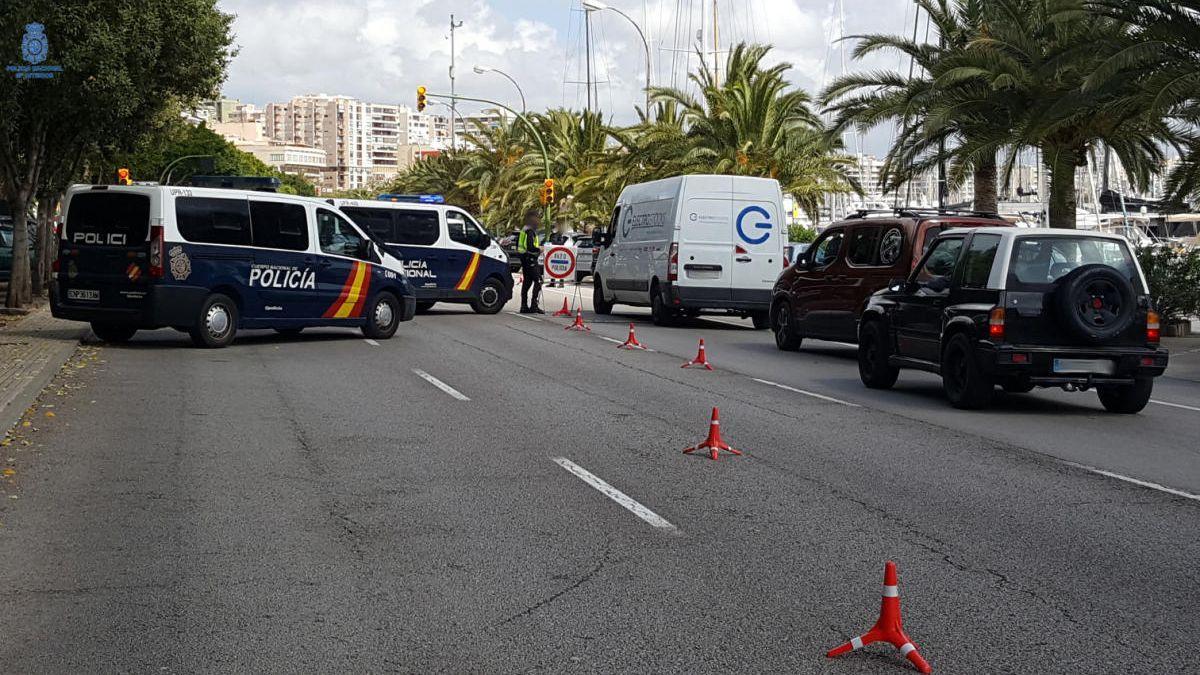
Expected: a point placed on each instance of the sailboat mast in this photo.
(587, 48)
(716, 45)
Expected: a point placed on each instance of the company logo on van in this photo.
(764, 225)
(279, 276)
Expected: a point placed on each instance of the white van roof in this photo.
(666, 188)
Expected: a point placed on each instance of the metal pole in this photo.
(453, 26)
(165, 176)
(510, 79)
(646, 45)
(587, 49)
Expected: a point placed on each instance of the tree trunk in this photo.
(986, 198)
(19, 291)
(1061, 202)
(45, 243)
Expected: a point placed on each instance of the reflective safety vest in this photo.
(523, 242)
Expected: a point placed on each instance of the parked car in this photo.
(585, 257)
(508, 243)
(691, 244)
(823, 293)
(6, 245)
(1021, 309)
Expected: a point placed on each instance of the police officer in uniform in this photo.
(528, 247)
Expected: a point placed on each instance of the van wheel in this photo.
(491, 297)
(113, 333)
(659, 313)
(383, 316)
(1126, 399)
(217, 323)
(781, 325)
(966, 386)
(873, 367)
(424, 305)
(600, 304)
(761, 320)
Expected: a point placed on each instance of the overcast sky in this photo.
(380, 50)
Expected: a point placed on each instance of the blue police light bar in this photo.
(417, 199)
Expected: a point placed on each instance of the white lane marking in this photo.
(371, 342)
(440, 385)
(614, 494)
(823, 397)
(1135, 481)
(613, 340)
(524, 316)
(1176, 405)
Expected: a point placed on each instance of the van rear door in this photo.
(705, 250)
(758, 237)
(104, 255)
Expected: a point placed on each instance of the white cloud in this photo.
(380, 50)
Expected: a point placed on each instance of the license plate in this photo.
(1092, 366)
(82, 294)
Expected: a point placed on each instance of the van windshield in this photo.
(1039, 262)
(108, 218)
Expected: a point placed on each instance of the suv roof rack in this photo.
(906, 212)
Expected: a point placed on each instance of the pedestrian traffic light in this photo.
(420, 99)
(548, 191)
(123, 177)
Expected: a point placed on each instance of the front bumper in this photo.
(1035, 364)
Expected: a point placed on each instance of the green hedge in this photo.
(1174, 278)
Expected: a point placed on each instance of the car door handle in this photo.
(325, 263)
(743, 259)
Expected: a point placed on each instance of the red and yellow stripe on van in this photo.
(468, 277)
(349, 304)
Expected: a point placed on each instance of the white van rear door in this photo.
(705, 255)
(758, 239)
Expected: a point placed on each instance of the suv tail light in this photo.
(1152, 333)
(673, 263)
(156, 251)
(996, 324)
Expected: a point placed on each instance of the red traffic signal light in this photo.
(123, 177)
(420, 99)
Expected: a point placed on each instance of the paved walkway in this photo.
(32, 348)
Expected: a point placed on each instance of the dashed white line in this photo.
(616, 495)
(524, 316)
(823, 397)
(440, 385)
(371, 342)
(613, 340)
(1176, 405)
(1135, 481)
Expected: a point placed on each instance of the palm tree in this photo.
(751, 123)
(1038, 55)
(935, 125)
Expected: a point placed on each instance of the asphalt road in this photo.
(423, 504)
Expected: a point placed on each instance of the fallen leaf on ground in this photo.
(8, 471)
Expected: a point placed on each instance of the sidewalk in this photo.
(32, 349)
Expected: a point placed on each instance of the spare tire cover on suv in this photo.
(1095, 303)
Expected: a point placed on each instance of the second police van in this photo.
(447, 255)
(211, 261)
(690, 244)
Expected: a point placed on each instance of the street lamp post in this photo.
(480, 70)
(598, 6)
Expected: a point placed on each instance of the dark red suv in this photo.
(823, 295)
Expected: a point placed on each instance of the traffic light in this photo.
(420, 99)
(123, 177)
(548, 191)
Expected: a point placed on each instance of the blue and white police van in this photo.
(447, 255)
(210, 261)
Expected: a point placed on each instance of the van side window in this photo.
(339, 237)
(826, 251)
(207, 220)
(416, 228)
(864, 244)
(279, 225)
(466, 232)
(612, 224)
(378, 222)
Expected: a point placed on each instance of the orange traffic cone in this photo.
(889, 627)
(631, 342)
(713, 443)
(579, 324)
(565, 311)
(700, 360)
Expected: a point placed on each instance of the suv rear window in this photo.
(1039, 262)
(95, 217)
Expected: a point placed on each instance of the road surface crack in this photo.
(588, 576)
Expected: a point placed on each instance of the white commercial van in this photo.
(690, 244)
